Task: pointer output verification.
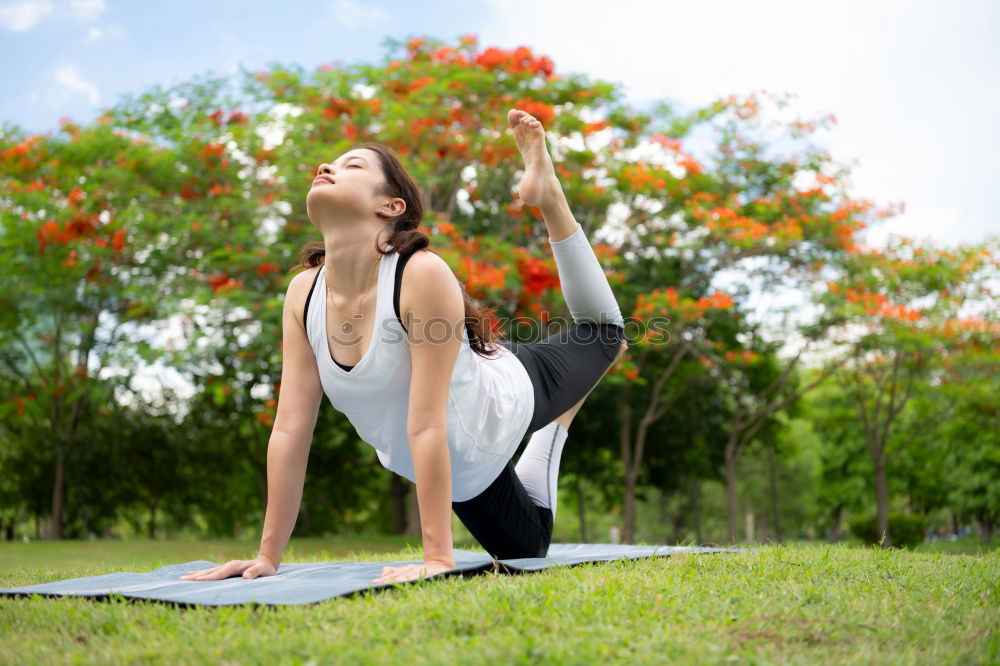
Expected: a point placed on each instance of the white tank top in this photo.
(490, 400)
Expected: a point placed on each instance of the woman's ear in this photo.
(394, 207)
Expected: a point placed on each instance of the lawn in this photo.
(798, 604)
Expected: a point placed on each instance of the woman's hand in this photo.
(539, 186)
(249, 568)
(413, 571)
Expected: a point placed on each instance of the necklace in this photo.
(347, 327)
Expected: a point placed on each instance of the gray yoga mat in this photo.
(312, 582)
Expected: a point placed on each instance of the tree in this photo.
(902, 300)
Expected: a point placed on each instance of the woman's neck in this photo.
(350, 258)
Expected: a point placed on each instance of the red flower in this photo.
(540, 110)
(48, 233)
(75, 228)
(213, 150)
(268, 267)
(537, 276)
(417, 84)
(223, 282)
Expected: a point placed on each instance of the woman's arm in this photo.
(433, 310)
(298, 406)
(288, 448)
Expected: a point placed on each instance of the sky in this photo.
(915, 86)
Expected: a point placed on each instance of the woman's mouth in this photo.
(323, 179)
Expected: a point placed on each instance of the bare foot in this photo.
(539, 186)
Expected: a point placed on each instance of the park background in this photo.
(793, 206)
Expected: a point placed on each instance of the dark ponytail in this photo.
(405, 237)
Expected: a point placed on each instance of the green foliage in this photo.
(905, 529)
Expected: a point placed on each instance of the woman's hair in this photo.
(406, 238)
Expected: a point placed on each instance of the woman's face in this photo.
(350, 186)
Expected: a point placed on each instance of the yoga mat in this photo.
(312, 582)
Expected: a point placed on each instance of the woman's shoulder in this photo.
(303, 281)
(299, 289)
(425, 257)
(426, 278)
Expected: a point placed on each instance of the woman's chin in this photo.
(319, 205)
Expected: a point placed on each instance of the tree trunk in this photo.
(835, 517)
(398, 490)
(985, 530)
(581, 510)
(696, 509)
(882, 499)
(152, 519)
(732, 510)
(775, 520)
(84, 515)
(625, 443)
(628, 510)
(58, 497)
(678, 527)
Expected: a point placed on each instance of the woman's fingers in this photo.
(215, 573)
(205, 574)
(194, 574)
(403, 574)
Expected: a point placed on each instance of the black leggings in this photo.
(563, 368)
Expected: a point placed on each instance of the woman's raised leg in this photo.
(585, 287)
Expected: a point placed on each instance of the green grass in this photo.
(967, 545)
(52, 559)
(798, 604)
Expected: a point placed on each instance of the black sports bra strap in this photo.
(305, 312)
(400, 262)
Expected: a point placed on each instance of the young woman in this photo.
(408, 357)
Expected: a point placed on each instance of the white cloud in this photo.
(96, 32)
(86, 10)
(70, 82)
(354, 15)
(915, 86)
(24, 14)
